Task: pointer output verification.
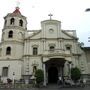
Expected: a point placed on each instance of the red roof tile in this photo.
(17, 11)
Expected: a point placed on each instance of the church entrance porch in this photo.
(54, 68)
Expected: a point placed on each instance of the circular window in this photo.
(51, 30)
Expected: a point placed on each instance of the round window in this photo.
(51, 30)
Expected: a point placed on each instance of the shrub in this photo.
(75, 74)
(39, 76)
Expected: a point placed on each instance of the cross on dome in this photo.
(17, 11)
(17, 3)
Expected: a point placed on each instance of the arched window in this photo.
(68, 47)
(34, 69)
(20, 22)
(12, 20)
(8, 51)
(35, 50)
(10, 34)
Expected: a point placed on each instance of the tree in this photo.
(75, 74)
(39, 77)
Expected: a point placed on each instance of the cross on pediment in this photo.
(50, 16)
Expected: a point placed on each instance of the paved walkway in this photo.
(53, 87)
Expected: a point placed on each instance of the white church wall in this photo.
(50, 28)
(36, 60)
(31, 44)
(51, 31)
(17, 35)
(16, 51)
(88, 68)
(13, 67)
(33, 61)
(83, 63)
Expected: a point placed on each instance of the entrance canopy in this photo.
(56, 61)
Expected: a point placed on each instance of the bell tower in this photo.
(15, 26)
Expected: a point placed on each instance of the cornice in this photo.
(9, 59)
(12, 15)
(13, 27)
(12, 41)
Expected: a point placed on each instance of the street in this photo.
(52, 87)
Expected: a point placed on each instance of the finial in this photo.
(17, 3)
(50, 16)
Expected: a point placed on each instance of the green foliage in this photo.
(39, 76)
(75, 74)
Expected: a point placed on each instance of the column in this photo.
(44, 69)
(62, 44)
(62, 72)
(69, 69)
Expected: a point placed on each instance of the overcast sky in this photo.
(70, 12)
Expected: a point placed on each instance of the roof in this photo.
(17, 11)
(86, 48)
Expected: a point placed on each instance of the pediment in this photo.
(67, 35)
(35, 35)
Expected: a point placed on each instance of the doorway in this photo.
(52, 75)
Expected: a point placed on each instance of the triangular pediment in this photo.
(35, 35)
(67, 35)
(64, 34)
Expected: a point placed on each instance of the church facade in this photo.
(51, 49)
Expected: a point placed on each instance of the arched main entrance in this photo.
(52, 75)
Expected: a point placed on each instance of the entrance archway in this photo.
(52, 75)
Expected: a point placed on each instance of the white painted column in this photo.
(69, 69)
(44, 69)
(62, 44)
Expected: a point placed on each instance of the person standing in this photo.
(59, 80)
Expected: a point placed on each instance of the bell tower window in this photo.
(8, 51)
(10, 34)
(12, 20)
(20, 22)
